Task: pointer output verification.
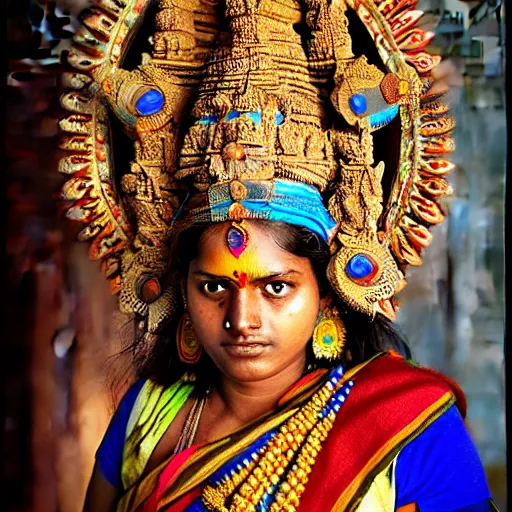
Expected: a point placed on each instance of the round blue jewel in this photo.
(328, 339)
(150, 102)
(279, 118)
(359, 266)
(235, 238)
(358, 104)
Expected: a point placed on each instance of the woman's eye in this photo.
(276, 288)
(213, 287)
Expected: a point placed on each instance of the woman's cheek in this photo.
(297, 317)
(296, 305)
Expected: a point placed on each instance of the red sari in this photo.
(391, 402)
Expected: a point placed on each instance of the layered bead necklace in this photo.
(272, 473)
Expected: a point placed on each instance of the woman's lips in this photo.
(246, 348)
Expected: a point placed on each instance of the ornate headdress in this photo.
(311, 112)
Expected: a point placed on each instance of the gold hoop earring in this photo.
(189, 348)
(329, 335)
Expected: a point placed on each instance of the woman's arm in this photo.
(105, 487)
(101, 496)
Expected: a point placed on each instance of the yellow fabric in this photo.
(154, 410)
(381, 494)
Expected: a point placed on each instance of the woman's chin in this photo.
(246, 370)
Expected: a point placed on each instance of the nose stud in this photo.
(227, 325)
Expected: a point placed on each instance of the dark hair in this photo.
(365, 336)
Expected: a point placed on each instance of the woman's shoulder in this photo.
(110, 452)
(142, 399)
(440, 468)
(406, 379)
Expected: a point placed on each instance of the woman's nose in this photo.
(243, 315)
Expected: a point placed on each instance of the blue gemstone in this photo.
(328, 339)
(232, 114)
(359, 266)
(279, 118)
(358, 104)
(336, 407)
(150, 102)
(235, 238)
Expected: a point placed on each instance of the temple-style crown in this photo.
(277, 109)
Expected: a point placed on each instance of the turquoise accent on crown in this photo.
(382, 118)
(255, 117)
(151, 102)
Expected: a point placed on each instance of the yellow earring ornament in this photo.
(189, 348)
(329, 335)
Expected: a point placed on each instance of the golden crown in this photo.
(238, 99)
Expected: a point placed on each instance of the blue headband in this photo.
(275, 200)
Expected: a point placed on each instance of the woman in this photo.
(262, 230)
(257, 331)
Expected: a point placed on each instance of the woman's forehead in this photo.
(261, 257)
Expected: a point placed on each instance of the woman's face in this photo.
(253, 314)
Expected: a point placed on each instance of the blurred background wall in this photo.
(63, 374)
